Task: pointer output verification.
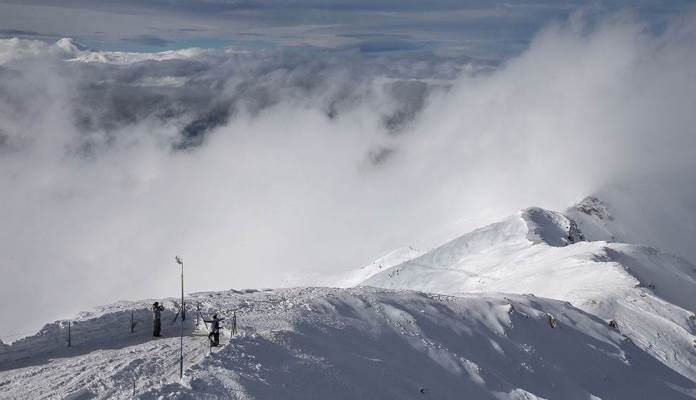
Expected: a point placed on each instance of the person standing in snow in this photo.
(214, 335)
(234, 323)
(156, 315)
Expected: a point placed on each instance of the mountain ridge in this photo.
(642, 289)
(534, 306)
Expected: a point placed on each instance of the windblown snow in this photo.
(541, 305)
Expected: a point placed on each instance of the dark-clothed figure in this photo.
(214, 335)
(234, 323)
(156, 315)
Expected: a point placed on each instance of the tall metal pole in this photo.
(181, 352)
(183, 308)
(183, 317)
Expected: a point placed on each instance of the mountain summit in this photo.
(541, 305)
(70, 48)
(647, 293)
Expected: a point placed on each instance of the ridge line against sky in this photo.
(483, 29)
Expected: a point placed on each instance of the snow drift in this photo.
(318, 343)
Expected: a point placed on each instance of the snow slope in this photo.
(104, 359)
(543, 252)
(394, 257)
(319, 343)
(353, 277)
(578, 319)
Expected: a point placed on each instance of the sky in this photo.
(489, 29)
(313, 137)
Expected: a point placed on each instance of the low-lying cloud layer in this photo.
(253, 165)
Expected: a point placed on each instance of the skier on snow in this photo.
(214, 335)
(156, 314)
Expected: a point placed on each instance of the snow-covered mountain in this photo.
(394, 257)
(353, 277)
(70, 50)
(320, 343)
(541, 305)
(647, 293)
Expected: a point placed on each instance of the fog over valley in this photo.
(258, 164)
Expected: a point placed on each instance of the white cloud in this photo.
(97, 201)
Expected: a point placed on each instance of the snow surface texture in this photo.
(357, 276)
(363, 343)
(394, 257)
(526, 308)
(647, 293)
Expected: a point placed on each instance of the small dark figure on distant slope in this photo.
(156, 314)
(234, 323)
(214, 335)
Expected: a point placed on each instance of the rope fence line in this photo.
(82, 336)
(67, 325)
(64, 334)
(76, 334)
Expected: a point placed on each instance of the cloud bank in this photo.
(253, 165)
